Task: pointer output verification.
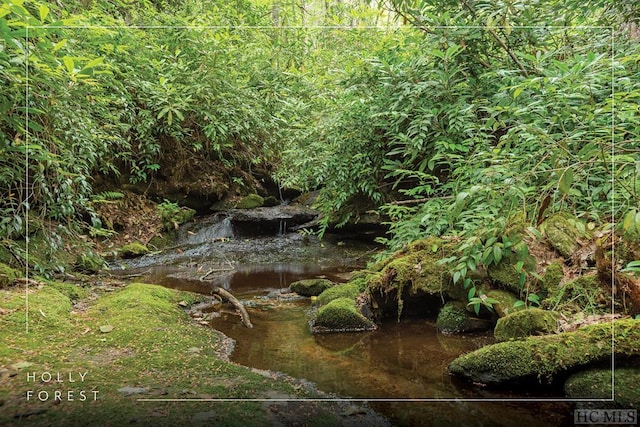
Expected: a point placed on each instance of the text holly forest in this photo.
(68, 387)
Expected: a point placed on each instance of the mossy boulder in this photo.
(596, 384)
(505, 274)
(133, 250)
(347, 290)
(414, 270)
(270, 201)
(250, 201)
(454, 318)
(552, 277)
(563, 231)
(340, 315)
(8, 275)
(310, 287)
(172, 219)
(541, 359)
(506, 302)
(524, 323)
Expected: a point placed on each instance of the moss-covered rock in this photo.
(414, 270)
(348, 290)
(270, 201)
(543, 358)
(132, 250)
(8, 275)
(250, 201)
(552, 277)
(524, 323)
(454, 318)
(506, 301)
(505, 274)
(596, 384)
(583, 294)
(172, 219)
(311, 287)
(341, 314)
(562, 232)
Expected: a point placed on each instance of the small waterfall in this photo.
(283, 227)
(220, 229)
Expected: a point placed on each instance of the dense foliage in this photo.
(457, 117)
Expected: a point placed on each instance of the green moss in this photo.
(415, 269)
(250, 201)
(544, 357)
(506, 301)
(348, 290)
(70, 290)
(182, 216)
(311, 287)
(8, 275)
(524, 323)
(89, 262)
(133, 250)
(46, 307)
(341, 314)
(552, 277)
(147, 347)
(270, 201)
(453, 318)
(504, 273)
(561, 231)
(596, 384)
(585, 293)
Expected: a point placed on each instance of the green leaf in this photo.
(93, 63)
(43, 10)
(497, 254)
(518, 303)
(471, 293)
(565, 181)
(68, 63)
(456, 277)
(517, 92)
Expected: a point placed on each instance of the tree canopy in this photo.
(450, 117)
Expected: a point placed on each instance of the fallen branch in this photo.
(226, 295)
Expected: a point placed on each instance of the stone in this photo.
(347, 290)
(250, 201)
(561, 231)
(541, 359)
(133, 250)
(310, 287)
(454, 318)
(506, 301)
(341, 315)
(524, 323)
(596, 384)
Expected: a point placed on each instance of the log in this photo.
(226, 295)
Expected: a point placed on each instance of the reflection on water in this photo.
(398, 361)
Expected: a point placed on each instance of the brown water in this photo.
(387, 367)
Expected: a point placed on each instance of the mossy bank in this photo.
(91, 353)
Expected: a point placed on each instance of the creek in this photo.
(399, 368)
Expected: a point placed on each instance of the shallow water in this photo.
(405, 360)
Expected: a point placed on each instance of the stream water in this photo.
(399, 368)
